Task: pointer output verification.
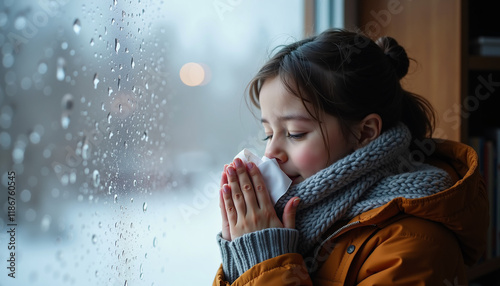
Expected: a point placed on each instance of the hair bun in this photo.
(396, 54)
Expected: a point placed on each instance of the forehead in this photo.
(275, 98)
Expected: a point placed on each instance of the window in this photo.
(116, 118)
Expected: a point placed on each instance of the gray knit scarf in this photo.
(366, 179)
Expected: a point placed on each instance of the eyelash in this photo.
(291, 136)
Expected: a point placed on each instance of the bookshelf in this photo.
(438, 35)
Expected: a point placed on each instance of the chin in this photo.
(297, 180)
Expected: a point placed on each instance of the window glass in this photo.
(116, 118)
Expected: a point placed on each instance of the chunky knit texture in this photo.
(366, 179)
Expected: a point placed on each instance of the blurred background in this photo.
(117, 117)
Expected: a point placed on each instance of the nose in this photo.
(275, 150)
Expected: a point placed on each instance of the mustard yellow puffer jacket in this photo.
(425, 241)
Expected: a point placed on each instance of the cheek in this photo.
(309, 161)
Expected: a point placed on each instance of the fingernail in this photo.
(231, 170)
(296, 202)
(250, 165)
(238, 162)
(226, 188)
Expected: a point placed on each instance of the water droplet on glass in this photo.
(110, 134)
(94, 239)
(85, 150)
(120, 108)
(115, 199)
(109, 118)
(96, 178)
(96, 81)
(65, 120)
(67, 101)
(154, 241)
(117, 45)
(132, 63)
(92, 42)
(115, 2)
(126, 283)
(42, 68)
(60, 74)
(135, 183)
(110, 91)
(144, 207)
(77, 26)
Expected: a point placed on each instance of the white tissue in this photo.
(277, 182)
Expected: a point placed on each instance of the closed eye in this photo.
(267, 137)
(296, 136)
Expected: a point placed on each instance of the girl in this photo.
(364, 208)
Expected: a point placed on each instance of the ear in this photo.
(369, 129)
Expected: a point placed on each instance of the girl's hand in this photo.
(245, 202)
(225, 224)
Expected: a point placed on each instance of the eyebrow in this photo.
(288, 118)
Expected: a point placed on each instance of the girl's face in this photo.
(294, 138)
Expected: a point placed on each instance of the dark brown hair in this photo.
(349, 76)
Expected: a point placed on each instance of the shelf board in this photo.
(487, 267)
(484, 63)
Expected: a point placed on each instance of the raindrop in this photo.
(96, 178)
(64, 45)
(96, 81)
(117, 45)
(85, 150)
(135, 183)
(126, 283)
(92, 42)
(154, 241)
(20, 23)
(110, 91)
(119, 79)
(109, 118)
(94, 239)
(77, 26)
(114, 3)
(120, 107)
(112, 21)
(132, 63)
(60, 74)
(115, 199)
(110, 134)
(65, 120)
(67, 101)
(42, 68)
(144, 207)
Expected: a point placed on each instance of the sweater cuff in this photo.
(228, 265)
(252, 248)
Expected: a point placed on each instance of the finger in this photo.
(246, 185)
(226, 234)
(231, 211)
(223, 179)
(289, 212)
(236, 194)
(261, 192)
